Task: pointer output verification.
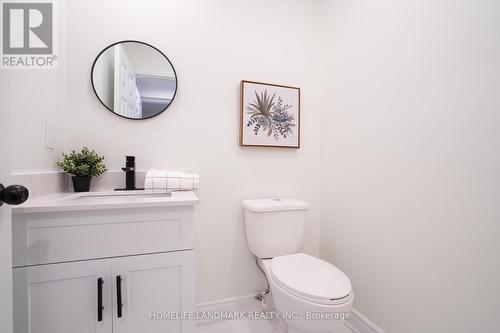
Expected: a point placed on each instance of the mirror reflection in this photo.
(134, 80)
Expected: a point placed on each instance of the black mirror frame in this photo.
(133, 41)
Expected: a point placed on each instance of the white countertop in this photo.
(64, 202)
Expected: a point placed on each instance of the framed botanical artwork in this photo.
(270, 115)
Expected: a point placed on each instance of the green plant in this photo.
(84, 163)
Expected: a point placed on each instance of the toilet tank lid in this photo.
(274, 204)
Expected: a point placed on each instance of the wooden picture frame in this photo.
(269, 115)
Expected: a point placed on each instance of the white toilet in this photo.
(312, 295)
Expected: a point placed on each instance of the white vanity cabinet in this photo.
(104, 271)
(62, 298)
(153, 284)
(83, 297)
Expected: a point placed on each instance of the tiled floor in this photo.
(244, 326)
(240, 326)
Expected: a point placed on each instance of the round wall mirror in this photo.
(134, 80)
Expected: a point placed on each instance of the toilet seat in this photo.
(311, 279)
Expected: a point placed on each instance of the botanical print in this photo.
(270, 115)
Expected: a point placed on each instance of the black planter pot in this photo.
(81, 183)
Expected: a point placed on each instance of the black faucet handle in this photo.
(129, 175)
(130, 163)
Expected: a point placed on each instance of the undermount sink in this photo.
(117, 197)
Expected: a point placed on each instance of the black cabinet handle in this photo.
(13, 195)
(100, 282)
(119, 304)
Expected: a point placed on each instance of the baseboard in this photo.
(247, 303)
(360, 324)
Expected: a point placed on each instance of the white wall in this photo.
(5, 212)
(411, 156)
(38, 96)
(213, 45)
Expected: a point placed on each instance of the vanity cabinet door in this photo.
(63, 298)
(149, 286)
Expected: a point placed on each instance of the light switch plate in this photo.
(50, 134)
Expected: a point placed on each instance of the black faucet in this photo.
(129, 175)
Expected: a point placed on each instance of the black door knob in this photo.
(13, 195)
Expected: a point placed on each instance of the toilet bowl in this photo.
(310, 295)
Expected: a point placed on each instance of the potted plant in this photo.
(83, 166)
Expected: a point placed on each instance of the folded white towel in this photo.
(171, 181)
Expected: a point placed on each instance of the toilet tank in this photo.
(275, 226)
